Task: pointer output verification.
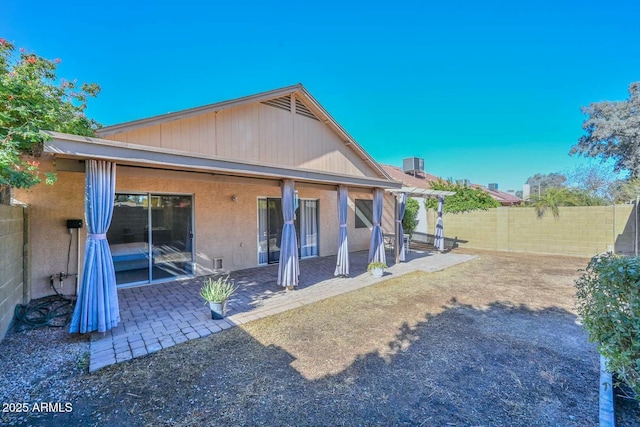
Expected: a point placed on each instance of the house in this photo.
(504, 198)
(200, 190)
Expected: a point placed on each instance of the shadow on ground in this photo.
(499, 365)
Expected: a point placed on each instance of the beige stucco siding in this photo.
(256, 133)
(223, 228)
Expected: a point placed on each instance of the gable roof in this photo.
(310, 107)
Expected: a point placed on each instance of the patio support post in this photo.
(439, 240)
(342, 261)
(401, 203)
(376, 247)
(97, 304)
(289, 267)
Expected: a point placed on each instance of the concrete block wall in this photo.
(579, 231)
(11, 263)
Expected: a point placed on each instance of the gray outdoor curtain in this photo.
(376, 248)
(289, 267)
(97, 305)
(342, 263)
(439, 240)
(402, 203)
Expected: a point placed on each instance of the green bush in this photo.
(609, 304)
(409, 222)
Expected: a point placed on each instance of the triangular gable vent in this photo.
(284, 102)
(304, 111)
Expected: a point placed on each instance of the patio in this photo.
(163, 315)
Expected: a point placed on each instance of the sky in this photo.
(489, 91)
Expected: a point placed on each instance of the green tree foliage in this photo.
(466, 198)
(553, 198)
(409, 222)
(32, 98)
(613, 132)
(608, 301)
(624, 191)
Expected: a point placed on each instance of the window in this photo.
(364, 213)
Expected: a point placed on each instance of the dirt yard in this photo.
(491, 342)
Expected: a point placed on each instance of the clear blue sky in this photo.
(485, 90)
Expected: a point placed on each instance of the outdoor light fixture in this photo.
(234, 198)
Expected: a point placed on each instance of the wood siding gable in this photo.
(262, 131)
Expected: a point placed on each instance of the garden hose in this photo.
(52, 311)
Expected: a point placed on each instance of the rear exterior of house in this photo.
(198, 191)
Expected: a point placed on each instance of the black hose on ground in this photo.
(54, 311)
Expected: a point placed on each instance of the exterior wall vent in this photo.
(284, 102)
(493, 186)
(304, 111)
(217, 263)
(412, 165)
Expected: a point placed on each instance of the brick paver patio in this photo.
(161, 315)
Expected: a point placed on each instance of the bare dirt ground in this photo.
(491, 342)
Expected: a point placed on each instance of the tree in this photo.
(613, 132)
(409, 222)
(594, 180)
(32, 99)
(466, 198)
(540, 182)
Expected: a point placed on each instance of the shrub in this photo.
(409, 222)
(218, 290)
(609, 303)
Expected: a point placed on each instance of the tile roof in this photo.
(423, 180)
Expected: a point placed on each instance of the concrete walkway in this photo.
(162, 315)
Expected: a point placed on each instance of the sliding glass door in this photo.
(270, 224)
(151, 237)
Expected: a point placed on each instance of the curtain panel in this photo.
(97, 305)
(376, 247)
(289, 267)
(342, 262)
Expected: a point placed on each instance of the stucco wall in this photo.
(582, 231)
(223, 228)
(11, 265)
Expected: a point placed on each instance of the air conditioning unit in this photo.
(463, 182)
(493, 186)
(413, 165)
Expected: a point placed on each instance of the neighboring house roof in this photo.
(305, 103)
(423, 180)
(504, 198)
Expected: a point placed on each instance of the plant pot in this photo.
(377, 272)
(218, 309)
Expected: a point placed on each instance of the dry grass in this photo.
(491, 342)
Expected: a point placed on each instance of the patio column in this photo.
(97, 305)
(342, 262)
(439, 240)
(289, 267)
(401, 203)
(376, 247)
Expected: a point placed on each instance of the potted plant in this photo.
(376, 268)
(216, 293)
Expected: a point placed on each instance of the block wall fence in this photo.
(13, 253)
(578, 231)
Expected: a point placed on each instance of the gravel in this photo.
(38, 366)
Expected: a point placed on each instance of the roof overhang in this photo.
(421, 192)
(82, 147)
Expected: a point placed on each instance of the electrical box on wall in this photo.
(74, 223)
